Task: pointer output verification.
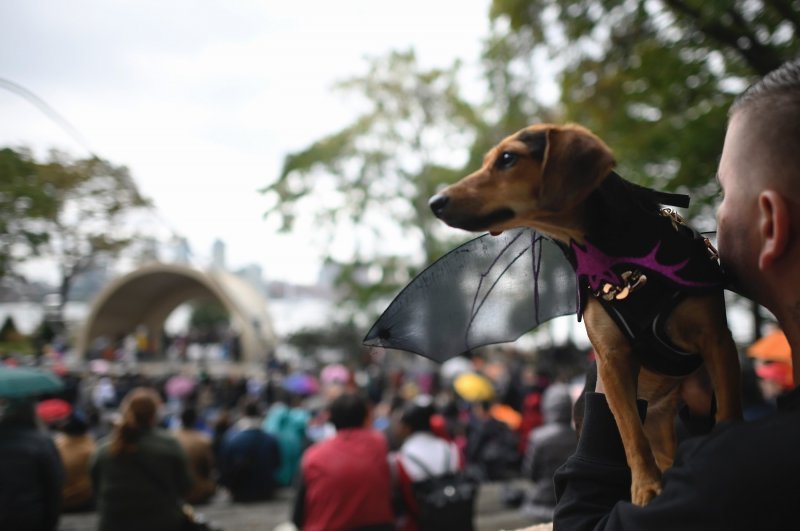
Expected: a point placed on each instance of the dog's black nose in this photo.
(437, 203)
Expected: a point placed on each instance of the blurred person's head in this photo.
(416, 416)
(76, 425)
(557, 404)
(482, 409)
(251, 408)
(17, 412)
(138, 414)
(348, 410)
(222, 421)
(188, 418)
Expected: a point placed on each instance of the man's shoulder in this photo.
(30, 442)
(334, 445)
(251, 436)
(424, 444)
(192, 438)
(160, 440)
(319, 453)
(767, 442)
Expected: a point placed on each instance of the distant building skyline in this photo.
(218, 255)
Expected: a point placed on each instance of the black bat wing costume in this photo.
(639, 259)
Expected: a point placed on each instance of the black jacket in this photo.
(31, 478)
(742, 476)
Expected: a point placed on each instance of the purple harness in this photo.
(640, 261)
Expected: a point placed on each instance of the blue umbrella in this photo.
(301, 384)
(22, 381)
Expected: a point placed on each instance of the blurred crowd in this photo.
(361, 447)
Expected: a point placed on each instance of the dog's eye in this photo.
(506, 160)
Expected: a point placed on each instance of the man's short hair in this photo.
(348, 410)
(770, 112)
(188, 417)
(251, 408)
(780, 85)
(417, 414)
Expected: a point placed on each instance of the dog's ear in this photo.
(575, 162)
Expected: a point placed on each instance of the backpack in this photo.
(499, 457)
(445, 502)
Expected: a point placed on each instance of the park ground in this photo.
(491, 513)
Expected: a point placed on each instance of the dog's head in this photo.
(536, 177)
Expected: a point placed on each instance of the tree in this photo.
(654, 78)
(209, 319)
(12, 340)
(24, 207)
(9, 332)
(342, 338)
(365, 188)
(73, 211)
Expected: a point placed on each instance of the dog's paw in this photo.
(643, 491)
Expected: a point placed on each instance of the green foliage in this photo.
(12, 341)
(9, 332)
(655, 78)
(23, 346)
(365, 189)
(344, 338)
(25, 205)
(44, 333)
(209, 317)
(70, 210)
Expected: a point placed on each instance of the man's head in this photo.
(759, 172)
(251, 408)
(348, 410)
(188, 417)
(417, 414)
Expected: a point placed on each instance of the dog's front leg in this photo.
(615, 366)
(662, 394)
(620, 391)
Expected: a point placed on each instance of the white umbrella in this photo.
(455, 366)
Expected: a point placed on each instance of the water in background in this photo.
(28, 315)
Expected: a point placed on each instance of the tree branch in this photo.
(761, 58)
(788, 12)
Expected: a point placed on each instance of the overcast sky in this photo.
(201, 99)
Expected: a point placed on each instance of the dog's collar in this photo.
(657, 196)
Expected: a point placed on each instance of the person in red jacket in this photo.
(345, 481)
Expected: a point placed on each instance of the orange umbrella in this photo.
(507, 414)
(771, 347)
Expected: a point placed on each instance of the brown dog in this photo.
(546, 177)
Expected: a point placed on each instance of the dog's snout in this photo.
(437, 204)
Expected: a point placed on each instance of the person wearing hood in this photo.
(249, 458)
(547, 449)
(288, 425)
(31, 474)
(76, 445)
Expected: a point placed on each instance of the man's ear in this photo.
(773, 227)
(575, 163)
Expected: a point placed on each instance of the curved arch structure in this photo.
(149, 295)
